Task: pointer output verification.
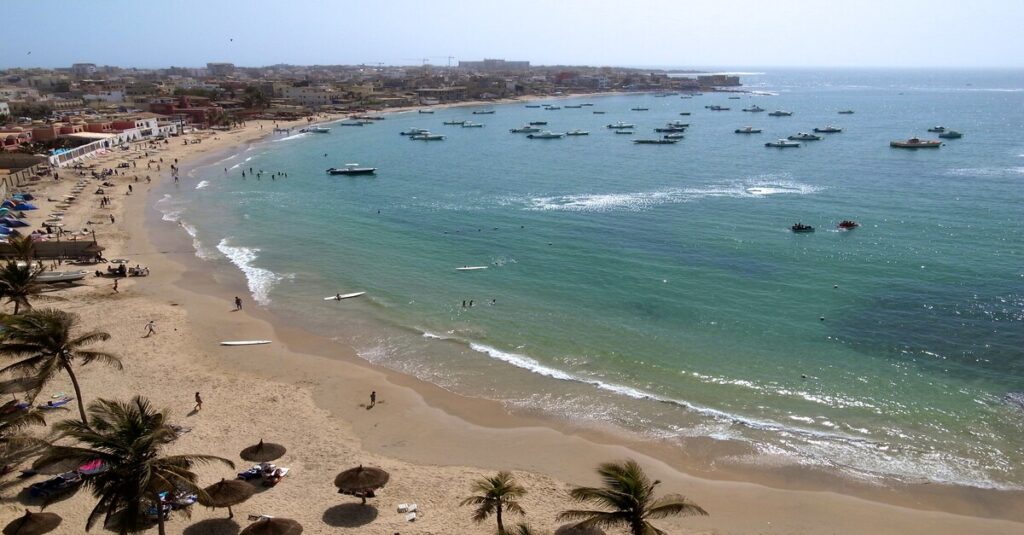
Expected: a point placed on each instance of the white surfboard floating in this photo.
(244, 342)
(470, 268)
(343, 296)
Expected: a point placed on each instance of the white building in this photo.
(310, 96)
(5, 110)
(114, 97)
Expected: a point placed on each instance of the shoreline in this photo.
(422, 423)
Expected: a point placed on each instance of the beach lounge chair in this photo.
(49, 405)
(411, 517)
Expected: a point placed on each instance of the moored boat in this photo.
(620, 125)
(525, 129)
(717, 108)
(655, 141)
(538, 123)
(915, 143)
(748, 130)
(455, 123)
(427, 136)
(598, 113)
(670, 129)
(782, 144)
(804, 136)
(316, 130)
(469, 124)
(572, 107)
(624, 132)
(672, 136)
(533, 105)
(547, 134)
(780, 113)
(845, 112)
(937, 129)
(638, 109)
(951, 134)
(426, 111)
(828, 130)
(801, 228)
(848, 224)
(352, 169)
(483, 112)
(413, 131)
(577, 132)
(755, 109)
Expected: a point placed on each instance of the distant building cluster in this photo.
(495, 65)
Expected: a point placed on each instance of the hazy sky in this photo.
(712, 33)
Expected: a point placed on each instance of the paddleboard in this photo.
(343, 296)
(470, 268)
(245, 342)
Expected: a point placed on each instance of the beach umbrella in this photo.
(226, 493)
(264, 452)
(273, 526)
(361, 481)
(576, 529)
(33, 524)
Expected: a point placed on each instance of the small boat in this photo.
(538, 123)
(547, 134)
(598, 113)
(951, 134)
(577, 132)
(413, 131)
(755, 108)
(625, 132)
(339, 297)
(677, 124)
(804, 136)
(672, 136)
(525, 129)
(245, 342)
(801, 228)
(483, 112)
(427, 136)
(620, 125)
(937, 129)
(471, 268)
(782, 144)
(352, 123)
(684, 113)
(352, 169)
(734, 98)
(915, 143)
(828, 130)
(426, 111)
(748, 130)
(552, 107)
(470, 124)
(780, 113)
(455, 123)
(655, 141)
(533, 105)
(845, 112)
(848, 224)
(53, 277)
(586, 104)
(368, 117)
(639, 109)
(316, 130)
(670, 129)
(572, 107)
(718, 108)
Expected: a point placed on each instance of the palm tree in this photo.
(128, 437)
(18, 283)
(47, 337)
(496, 494)
(628, 499)
(14, 443)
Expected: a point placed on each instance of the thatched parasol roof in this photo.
(33, 524)
(273, 526)
(264, 452)
(226, 493)
(361, 479)
(576, 529)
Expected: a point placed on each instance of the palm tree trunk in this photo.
(160, 528)
(16, 305)
(231, 514)
(78, 393)
(501, 527)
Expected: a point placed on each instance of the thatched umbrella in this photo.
(361, 481)
(264, 452)
(576, 529)
(33, 524)
(226, 493)
(273, 526)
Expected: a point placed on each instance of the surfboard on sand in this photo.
(244, 342)
(343, 296)
(470, 268)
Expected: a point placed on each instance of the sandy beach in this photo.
(311, 395)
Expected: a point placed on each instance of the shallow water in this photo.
(658, 288)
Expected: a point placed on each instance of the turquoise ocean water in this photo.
(658, 288)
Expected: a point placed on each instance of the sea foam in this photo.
(260, 280)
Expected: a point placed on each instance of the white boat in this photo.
(525, 129)
(427, 136)
(577, 132)
(352, 169)
(547, 134)
(339, 297)
(748, 130)
(470, 124)
(828, 130)
(244, 342)
(51, 277)
(426, 111)
(470, 268)
(782, 144)
(414, 131)
(780, 113)
(316, 130)
(804, 136)
(755, 108)
(672, 136)
(620, 125)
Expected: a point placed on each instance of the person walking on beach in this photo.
(373, 399)
(238, 303)
(150, 328)
(199, 403)
(115, 286)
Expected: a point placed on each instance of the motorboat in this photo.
(552, 107)
(780, 113)
(483, 112)
(525, 129)
(427, 136)
(848, 224)
(782, 144)
(316, 130)
(639, 109)
(828, 130)
(755, 108)
(624, 132)
(352, 123)
(455, 123)
(801, 228)
(655, 141)
(413, 131)
(718, 108)
(426, 111)
(620, 125)
(915, 143)
(684, 113)
(368, 117)
(748, 130)
(572, 107)
(52, 277)
(577, 132)
(538, 123)
(937, 129)
(470, 124)
(670, 129)
(677, 124)
(352, 169)
(951, 134)
(672, 136)
(845, 112)
(533, 105)
(586, 104)
(547, 134)
(734, 98)
(598, 113)
(804, 136)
